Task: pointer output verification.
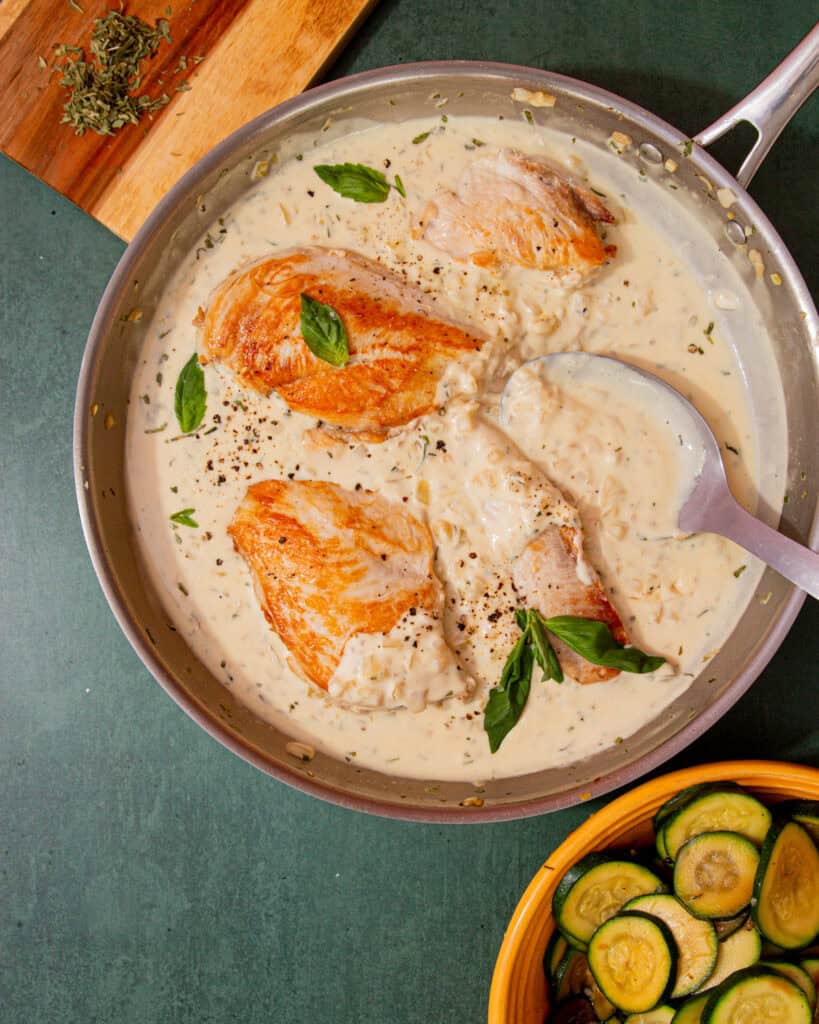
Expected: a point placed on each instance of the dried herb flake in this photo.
(104, 89)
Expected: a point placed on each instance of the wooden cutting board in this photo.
(255, 53)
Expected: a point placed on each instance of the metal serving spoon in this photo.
(708, 505)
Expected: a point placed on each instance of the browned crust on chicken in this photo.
(546, 575)
(329, 563)
(509, 208)
(399, 347)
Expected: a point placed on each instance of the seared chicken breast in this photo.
(345, 579)
(399, 344)
(552, 576)
(508, 208)
(514, 541)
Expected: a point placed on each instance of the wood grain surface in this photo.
(255, 53)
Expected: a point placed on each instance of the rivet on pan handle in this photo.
(771, 105)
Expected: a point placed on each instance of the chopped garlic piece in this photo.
(260, 169)
(726, 197)
(538, 98)
(755, 256)
(671, 165)
(726, 300)
(620, 141)
(776, 279)
(303, 751)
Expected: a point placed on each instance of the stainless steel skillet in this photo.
(781, 377)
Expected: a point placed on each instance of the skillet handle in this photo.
(771, 105)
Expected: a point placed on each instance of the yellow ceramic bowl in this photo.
(518, 993)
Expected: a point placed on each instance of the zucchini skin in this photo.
(802, 1013)
(659, 1015)
(684, 928)
(677, 802)
(810, 965)
(797, 974)
(763, 908)
(711, 903)
(561, 905)
(556, 949)
(682, 825)
(568, 976)
(736, 953)
(805, 813)
(664, 935)
(691, 1010)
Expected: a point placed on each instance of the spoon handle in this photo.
(795, 562)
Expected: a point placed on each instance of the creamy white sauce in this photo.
(455, 470)
(410, 666)
(548, 401)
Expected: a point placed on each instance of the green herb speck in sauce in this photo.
(184, 517)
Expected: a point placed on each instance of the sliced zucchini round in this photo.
(786, 891)
(696, 940)
(659, 1015)
(671, 806)
(714, 873)
(757, 996)
(806, 813)
(737, 952)
(569, 975)
(691, 1010)
(726, 926)
(723, 810)
(593, 890)
(810, 964)
(798, 975)
(633, 959)
(556, 949)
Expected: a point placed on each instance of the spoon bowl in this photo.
(706, 503)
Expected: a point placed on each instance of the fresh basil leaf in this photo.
(355, 181)
(185, 517)
(420, 138)
(543, 650)
(323, 332)
(508, 699)
(522, 618)
(593, 641)
(399, 187)
(190, 398)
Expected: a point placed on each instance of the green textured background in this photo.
(148, 874)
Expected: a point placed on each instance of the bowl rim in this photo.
(752, 774)
(218, 730)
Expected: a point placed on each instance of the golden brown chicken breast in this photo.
(511, 540)
(511, 208)
(552, 576)
(345, 579)
(399, 345)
